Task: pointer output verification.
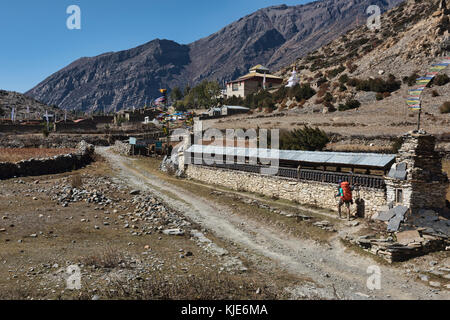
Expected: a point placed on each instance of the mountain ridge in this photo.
(274, 36)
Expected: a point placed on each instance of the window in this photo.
(399, 196)
(235, 86)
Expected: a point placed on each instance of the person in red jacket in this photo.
(345, 197)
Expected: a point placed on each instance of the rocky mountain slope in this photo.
(20, 102)
(273, 36)
(412, 36)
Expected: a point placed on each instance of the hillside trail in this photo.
(335, 271)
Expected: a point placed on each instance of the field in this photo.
(18, 154)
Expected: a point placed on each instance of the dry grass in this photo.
(108, 258)
(15, 155)
(358, 148)
(76, 181)
(202, 286)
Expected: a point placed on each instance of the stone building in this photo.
(416, 180)
(257, 79)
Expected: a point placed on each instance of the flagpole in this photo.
(418, 117)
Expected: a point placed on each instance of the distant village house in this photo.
(257, 79)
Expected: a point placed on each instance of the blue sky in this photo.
(35, 41)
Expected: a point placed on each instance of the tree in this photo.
(306, 138)
(205, 94)
(301, 92)
(176, 94)
(2, 112)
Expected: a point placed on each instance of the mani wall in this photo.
(304, 192)
(415, 181)
(57, 164)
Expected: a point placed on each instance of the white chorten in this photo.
(293, 80)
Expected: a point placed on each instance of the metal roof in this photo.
(235, 108)
(330, 158)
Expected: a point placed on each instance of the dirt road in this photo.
(336, 272)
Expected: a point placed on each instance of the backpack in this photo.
(347, 191)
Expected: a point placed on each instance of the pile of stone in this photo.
(393, 217)
(122, 148)
(430, 223)
(69, 194)
(324, 225)
(408, 244)
(152, 215)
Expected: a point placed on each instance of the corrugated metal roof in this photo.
(236, 107)
(330, 158)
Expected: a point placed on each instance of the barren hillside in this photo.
(377, 68)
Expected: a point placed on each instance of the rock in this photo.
(135, 192)
(95, 298)
(434, 284)
(34, 235)
(174, 232)
(423, 277)
(189, 254)
(433, 263)
(362, 295)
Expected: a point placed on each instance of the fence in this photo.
(368, 181)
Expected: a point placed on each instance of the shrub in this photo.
(441, 80)
(306, 138)
(445, 108)
(328, 97)
(397, 144)
(301, 92)
(330, 106)
(333, 73)
(342, 87)
(376, 85)
(321, 81)
(351, 67)
(379, 96)
(411, 80)
(343, 79)
(350, 104)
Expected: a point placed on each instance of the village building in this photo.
(258, 78)
(232, 110)
(137, 115)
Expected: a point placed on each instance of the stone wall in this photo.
(56, 164)
(425, 184)
(304, 192)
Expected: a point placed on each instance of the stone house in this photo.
(257, 79)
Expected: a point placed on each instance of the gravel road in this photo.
(335, 271)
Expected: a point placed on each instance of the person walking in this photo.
(345, 197)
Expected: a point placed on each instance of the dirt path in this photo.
(333, 268)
